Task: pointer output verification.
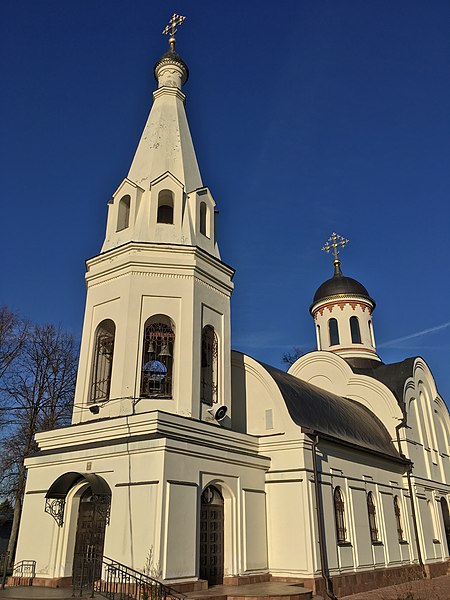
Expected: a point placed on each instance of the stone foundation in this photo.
(49, 582)
(343, 585)
(355, 583)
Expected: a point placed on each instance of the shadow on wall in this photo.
(238, 393)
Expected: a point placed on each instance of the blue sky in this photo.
(308, 117)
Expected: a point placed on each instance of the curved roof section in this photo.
(341, 419)
(340, 284)
(393, 375)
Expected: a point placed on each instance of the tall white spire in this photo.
(163, 199)
(166, 142)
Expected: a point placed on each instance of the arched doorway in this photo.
(446, 517)
(90, 537)
(211, 536)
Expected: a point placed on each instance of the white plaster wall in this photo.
(357, 473)
(180, 556)
(342, 309)
(255, 533)
(156, 483)
(130, 285)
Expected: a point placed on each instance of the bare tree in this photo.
(13, 331)
(289, 358)
(38, 392)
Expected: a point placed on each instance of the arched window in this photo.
(372, 339)
(372, 511)
(398, 519)
(123, 215)
(319, 341)
(354, 329)
(208, 380)
(203, 215)
(334, 332)
(157, 358)
(165, 207)
(339, 515)
(102, 361)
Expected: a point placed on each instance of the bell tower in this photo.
(156, 331)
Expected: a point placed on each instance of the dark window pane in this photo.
(334, 332)
(354, 328)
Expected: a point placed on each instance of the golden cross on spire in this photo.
(333, 244)
(174, 22)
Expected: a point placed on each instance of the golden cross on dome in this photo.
(333, 244)
(174, 22)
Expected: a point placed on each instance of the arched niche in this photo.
(123, 213)
(165, 207)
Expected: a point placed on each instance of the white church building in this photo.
(207, 463)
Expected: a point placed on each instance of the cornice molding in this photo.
(180, 276)
(342, 303)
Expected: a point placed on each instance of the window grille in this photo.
(157, 363)
(341, 531)
(103, 359)
(371, 509)
(398, 519)
(208, 382)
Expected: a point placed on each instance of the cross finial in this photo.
(174, 22)
(334, 243)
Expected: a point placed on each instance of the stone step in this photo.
(254, 591)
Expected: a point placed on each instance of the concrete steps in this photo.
(253, 591)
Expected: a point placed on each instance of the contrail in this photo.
(415, 335)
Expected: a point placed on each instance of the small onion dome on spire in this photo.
(171, 57)
(340, 285)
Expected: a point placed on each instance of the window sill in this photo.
(435, 541)
(403, 542)
(377, 543)
(345, 544)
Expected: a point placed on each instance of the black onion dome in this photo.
(171, 56)
(340, 285)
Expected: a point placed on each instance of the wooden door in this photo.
(89, 540)
(211, 536)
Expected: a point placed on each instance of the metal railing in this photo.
(25, 568)
(101, 575)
